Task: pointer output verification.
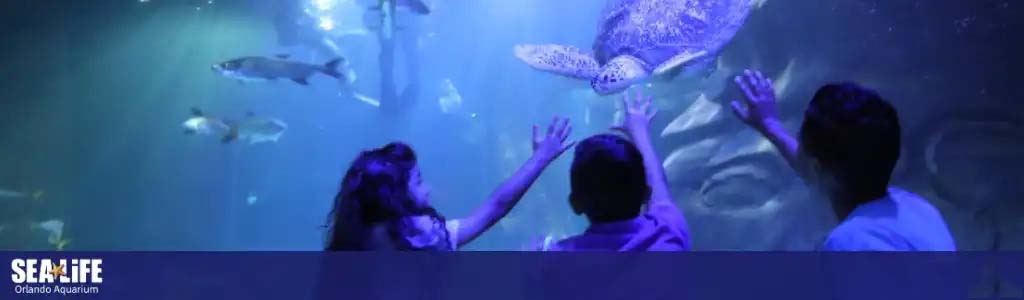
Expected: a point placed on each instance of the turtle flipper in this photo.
(562, 60)
(674, 65)
(619, 74)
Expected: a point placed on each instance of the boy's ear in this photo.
(576, 203)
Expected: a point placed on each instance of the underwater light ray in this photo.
(326, 23)
(324, 5)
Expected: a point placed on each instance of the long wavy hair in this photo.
(375, 192)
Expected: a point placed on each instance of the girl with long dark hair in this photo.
(383, 203)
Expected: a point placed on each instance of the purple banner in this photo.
(511, 275)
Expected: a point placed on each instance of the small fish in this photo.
(450, 100)
(256, 130)
(258, 68)
(201, 124)
(56, 229)
(252, 128)
(11, 194)
(251, 199)
(37, 195)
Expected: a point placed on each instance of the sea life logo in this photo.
(56, 276)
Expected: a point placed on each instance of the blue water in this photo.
(92, 96)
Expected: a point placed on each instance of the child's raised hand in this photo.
(758, 105)
(552, 144)
(638, 115)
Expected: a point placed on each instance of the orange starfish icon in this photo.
(57, 271)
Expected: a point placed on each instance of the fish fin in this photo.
(196, 112)
(301, 81)
(331, 68)
(283, 56)
(231, 136)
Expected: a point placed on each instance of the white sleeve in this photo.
(453, 233)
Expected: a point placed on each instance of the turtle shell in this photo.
(656, 30)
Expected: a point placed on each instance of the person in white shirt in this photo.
(847, 148)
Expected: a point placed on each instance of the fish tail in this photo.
(331, 68)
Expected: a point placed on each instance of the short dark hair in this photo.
(855, 134)
(607, 179)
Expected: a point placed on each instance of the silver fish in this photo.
(258, 68)
(252, 128)
(4, 193)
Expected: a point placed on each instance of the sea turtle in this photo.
(640, 38)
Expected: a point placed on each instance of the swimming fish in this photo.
(56, 229)
(450, 100)
(251, 199)
(258, 68)
(257, 130)
(4, 193)
(201, 124)
(252, 128)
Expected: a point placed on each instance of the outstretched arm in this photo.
(546, 148)
(758, 110)
(637, 127)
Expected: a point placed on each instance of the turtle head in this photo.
(619, 74)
